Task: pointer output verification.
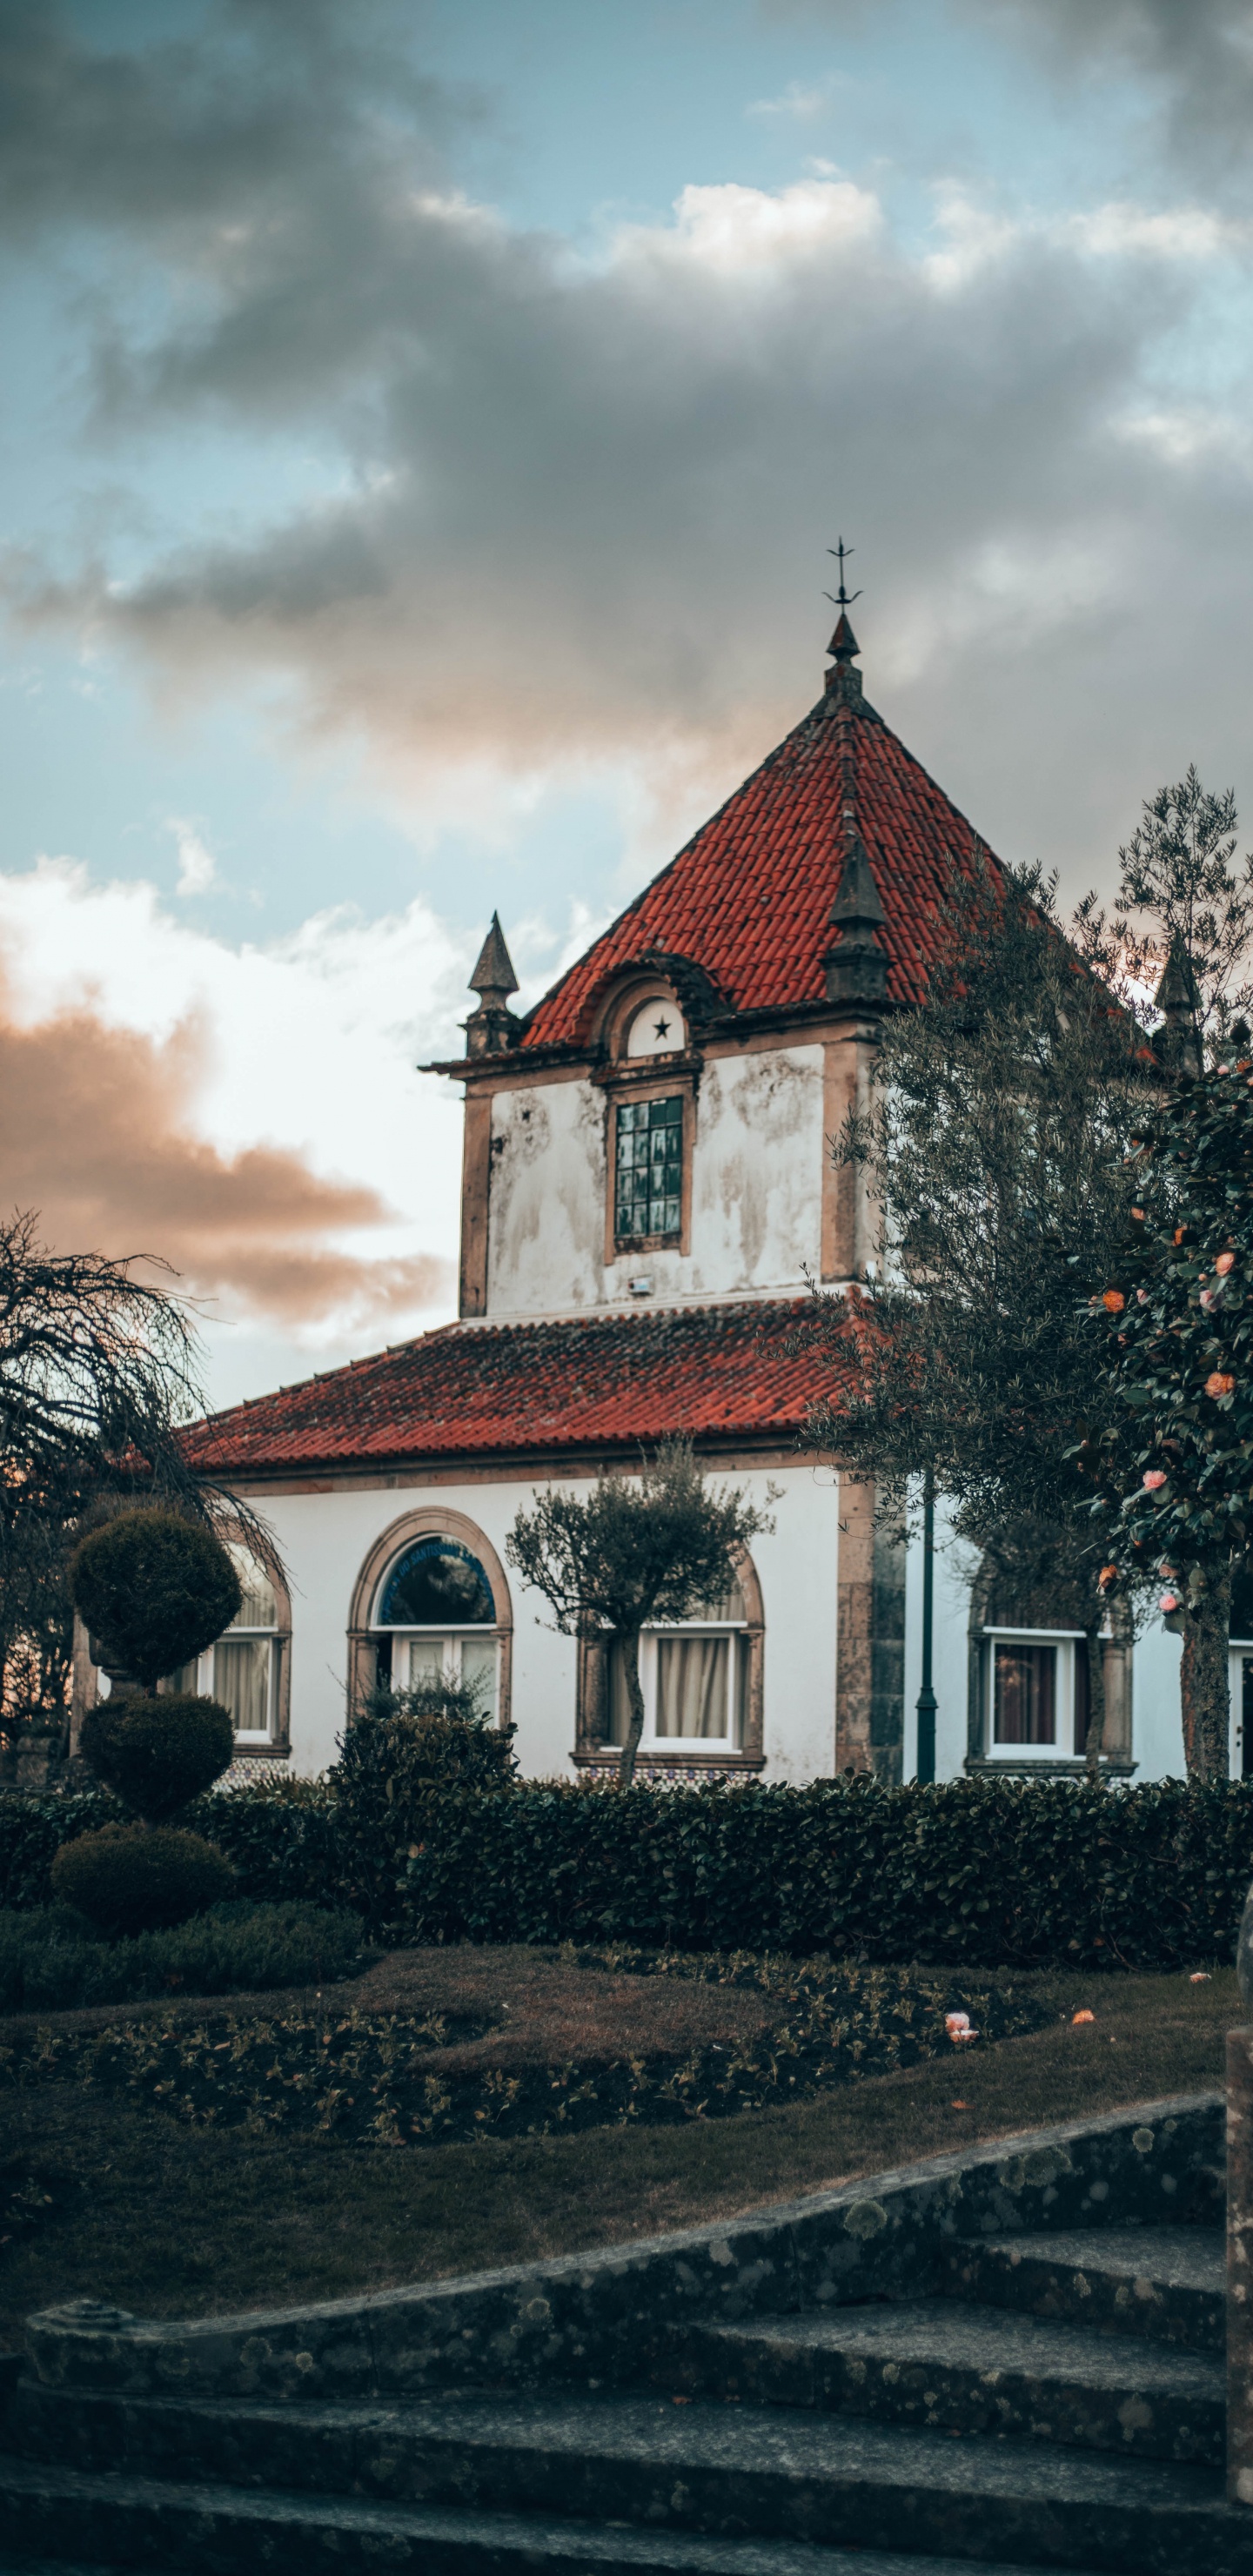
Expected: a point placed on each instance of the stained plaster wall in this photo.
(755, 1194)
(326, 1537)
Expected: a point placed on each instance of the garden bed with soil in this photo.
(441, 2045)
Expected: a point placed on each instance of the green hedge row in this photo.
(988, 1873)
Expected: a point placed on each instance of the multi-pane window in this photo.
(694, 1679)
(241, 1671)
(649, 1199)
(433, 1600)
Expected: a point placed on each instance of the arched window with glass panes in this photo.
(435, 1619)
(245, 1669)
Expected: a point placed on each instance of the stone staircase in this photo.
(1051, 2396)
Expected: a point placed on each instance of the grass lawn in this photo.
(111, 2201)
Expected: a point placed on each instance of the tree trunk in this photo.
(1204, 1686)
(1096, 1702)
(630, 1650)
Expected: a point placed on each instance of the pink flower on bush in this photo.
(1219, 1383)
(1226, 1261)
(1208, 1296)
(1168, 1602)
(1113, 1301)
(1154, 1479)
(957, 2024)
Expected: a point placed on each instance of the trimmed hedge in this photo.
(983, 1872)
(51, 1962)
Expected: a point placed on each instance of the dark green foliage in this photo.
(32, 1831)
(51, 1960)
(139, 1878)
(158, 1754)
(281, 1839)
(1179, 1334)
(378, 2076)
(405, 1770)
(981, 1873)
(155, 1589)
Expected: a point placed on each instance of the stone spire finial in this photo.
(856, 966)
(1178, 1041)
(492, 1028)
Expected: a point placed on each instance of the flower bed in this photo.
(396, 2080)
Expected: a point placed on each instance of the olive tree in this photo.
(635, 1551)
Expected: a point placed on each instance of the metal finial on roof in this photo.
(843, 643)
(842, 554)
(494, 973)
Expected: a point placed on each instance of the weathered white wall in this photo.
(326, 1537)
(756, 1190)
(1156, 1731)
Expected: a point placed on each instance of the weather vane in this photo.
(842, 598)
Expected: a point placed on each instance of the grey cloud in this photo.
(586, 506)
(1194, 58)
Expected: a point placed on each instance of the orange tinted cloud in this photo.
(96, 1132)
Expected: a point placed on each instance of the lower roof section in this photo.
(596, 1382)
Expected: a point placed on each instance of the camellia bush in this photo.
(1174, 1469)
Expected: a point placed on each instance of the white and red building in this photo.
(648, 1190)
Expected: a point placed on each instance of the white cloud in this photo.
(796, 101)
(197, 867)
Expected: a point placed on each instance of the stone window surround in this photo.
(429, 1520)
(591, 1753)
(639, 1079)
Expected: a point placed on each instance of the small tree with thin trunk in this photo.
(1174, 1462)
(634, 1552)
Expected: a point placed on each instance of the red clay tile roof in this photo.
(749, 898)
(601, 1382)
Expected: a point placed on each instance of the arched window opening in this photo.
(244, 1669)
(694, 1675)
(436, 1619)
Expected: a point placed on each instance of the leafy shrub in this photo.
(982, 1872)
(139, 1878)
(51, 1960)
(158, 1754)
(156, 1590)
(408, 1760)
(379, 2076)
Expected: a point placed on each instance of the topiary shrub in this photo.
(407, 1761)
(140, 1878)
(158, 1754)
(155, 1590)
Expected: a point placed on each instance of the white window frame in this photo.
(1239, 1652)
(688, 1747)
(246, 1735)
(452, 1640)
(1065, 1640)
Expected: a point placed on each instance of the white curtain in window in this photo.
(478, 1671)
(241, 1680)
(258, 1608)
(692, 1686)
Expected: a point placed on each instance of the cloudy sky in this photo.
(422, 429)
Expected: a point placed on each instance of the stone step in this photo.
(212, 2531)
(960, 2369)
(1166, 2284)
(731, 2471)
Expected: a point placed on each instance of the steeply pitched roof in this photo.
(604, 1382)
(749, 898)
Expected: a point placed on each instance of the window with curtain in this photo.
(1036, 1693)
(241, 1670)
(694, 1678)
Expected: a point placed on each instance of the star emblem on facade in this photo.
(661, 1028)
